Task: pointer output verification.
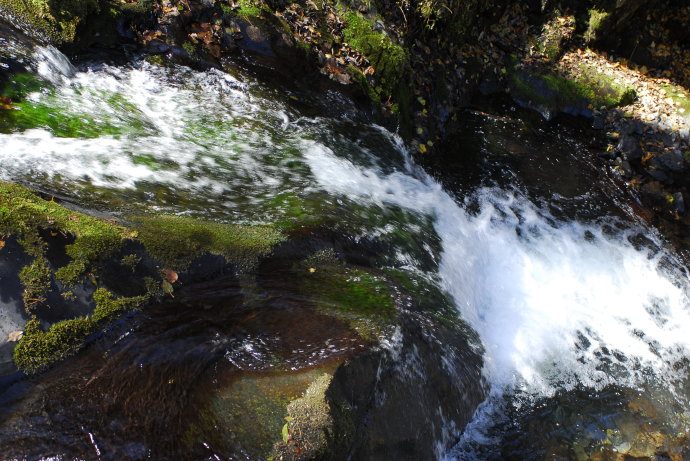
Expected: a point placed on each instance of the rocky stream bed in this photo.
(261, 230)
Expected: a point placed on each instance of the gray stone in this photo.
(629, 147)
(672, 161)
(659, 175)
(679, 202)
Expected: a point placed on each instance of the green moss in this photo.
(177, 240)
(38, 349)
(189, 48)
(590, 86)
(28, 114)
(389, 60)
(108, 308)
(596, 19)
(309, 423)
(250, 412)
(248, 8)
(21, 85)
(57, 19)
(680, 96)
(51, 113)
(35, 278)
(22, 213)
(360, 298)
(155, 59)
(130, 261)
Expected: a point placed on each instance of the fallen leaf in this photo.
(285, 433)
(6, 103)
(15, 336)
(169, 275)
(312, 270)
(73, 218)
(2, 244)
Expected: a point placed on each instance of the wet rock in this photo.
(394, 404)
(653, 193)
(629, 147)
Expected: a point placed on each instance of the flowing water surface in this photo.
(582, 315)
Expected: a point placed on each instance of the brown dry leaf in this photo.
(169, 275)
(2, 244)
(73, 218)
(15, 336)
(6, 103)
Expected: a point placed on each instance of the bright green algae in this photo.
(49, 111)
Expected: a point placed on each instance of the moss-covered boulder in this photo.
(551, 92)
(139, 259)
(58, 19)
(176, 240)
(38, 348)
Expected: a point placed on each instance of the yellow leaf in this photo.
(422, 148)
(312, 270)
(285, 433)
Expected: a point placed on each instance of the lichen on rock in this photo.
(309, 425)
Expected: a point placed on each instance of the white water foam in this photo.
(162, 125)
(52, 65)
(553, 302)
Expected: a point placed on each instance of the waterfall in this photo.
(558, 305)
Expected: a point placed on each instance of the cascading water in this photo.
(564, 309)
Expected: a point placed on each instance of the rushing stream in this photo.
(583, 316)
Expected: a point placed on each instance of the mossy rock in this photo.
(37, 349)
(594, 25)
(176, 240)
(58, 19)
(551, 92)
(355, 295)
(248, 415)
(309, 426)
(23, 214)
(389, 60)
